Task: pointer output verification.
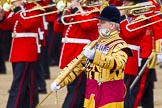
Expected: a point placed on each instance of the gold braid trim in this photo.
(73, 74)
(106, 61)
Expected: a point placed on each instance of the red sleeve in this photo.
(53, 16)
(29, 23)
(87, 25)
(157, 27)
(156, 5)
(131, 34)
(58, 27)
(8, 22)
(146, 46)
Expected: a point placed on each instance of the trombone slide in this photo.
(146, 25)
(135, 6)
(40, 8)
(140, 8)
(81, 13)
(38, 15)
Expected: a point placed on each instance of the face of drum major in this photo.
(106, 24)
(105, 28)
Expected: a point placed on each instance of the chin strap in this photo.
(104, 32)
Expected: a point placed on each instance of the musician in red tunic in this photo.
(143, 39)
(144, 91)
(23, 54)
(133, 38)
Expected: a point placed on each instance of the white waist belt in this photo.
(75, 40)
(18, 35)
(137, 48)
(35, 35)
(134, 47)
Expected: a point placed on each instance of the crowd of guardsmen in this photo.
(33, 45)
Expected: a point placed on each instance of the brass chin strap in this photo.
(104, 32)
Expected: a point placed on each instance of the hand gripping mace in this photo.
(80, 57)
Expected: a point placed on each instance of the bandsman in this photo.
(23, 54)
(144, 38)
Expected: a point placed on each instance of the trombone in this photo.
(102, 4)
(60, 5)
(22, 14)
(82, 13)
(40, 8)
(146, 25)
(139, 8)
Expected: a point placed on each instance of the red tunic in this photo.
(146, 44)
(24, 43)
(52, 17)
(157, 28)
(133, 39)
(116, 2)
(86, 32)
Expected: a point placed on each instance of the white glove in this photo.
(54, 86)
(89, 53)
(6, 7)
(159, 58)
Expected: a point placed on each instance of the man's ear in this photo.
(112, 25)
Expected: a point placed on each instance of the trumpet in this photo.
(139, 9)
